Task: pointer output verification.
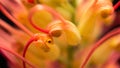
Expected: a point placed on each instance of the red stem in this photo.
(50, 10)
(26, 47)
(54, 13)
(17, 55)
(36, 27)
(117, 5)
(98, 44)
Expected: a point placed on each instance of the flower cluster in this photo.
(59, 34)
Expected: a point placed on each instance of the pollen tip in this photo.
(56, 32)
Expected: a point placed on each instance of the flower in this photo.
(59, 33)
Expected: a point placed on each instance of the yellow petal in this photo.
(72, 33)
(42, 18)
(45, 48)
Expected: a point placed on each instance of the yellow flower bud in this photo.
(45, 48)
(42, 18)
(104, 8)
(55, 29)
(70, 31)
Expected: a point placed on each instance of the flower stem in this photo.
(98, 44)
(70, 53)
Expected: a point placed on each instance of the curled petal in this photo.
(47, 47)
(70, 31)
(104, 8)
(44, 47)
(55, 29)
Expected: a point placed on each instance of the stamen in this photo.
(117, 5)
(15, 21)
(98, 44)
(17, 55)
(35, 38)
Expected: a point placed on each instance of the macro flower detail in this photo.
(59, 34)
